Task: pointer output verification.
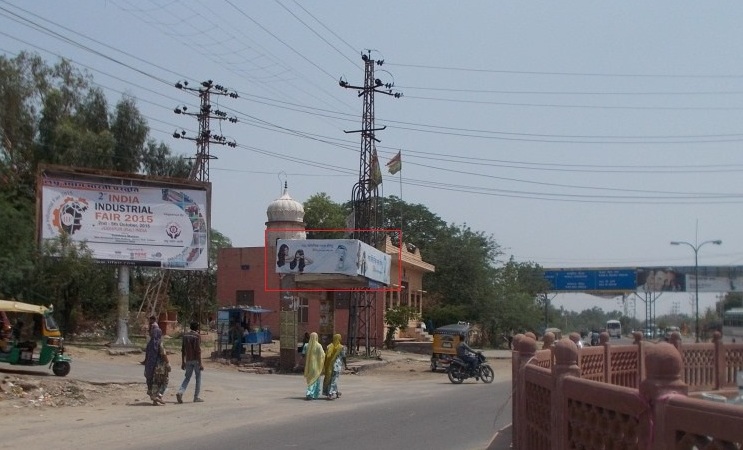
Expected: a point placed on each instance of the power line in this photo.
(569, 74)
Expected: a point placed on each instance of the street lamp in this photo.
(696, 273)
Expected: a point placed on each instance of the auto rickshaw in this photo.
(30, 336)
(445, 341)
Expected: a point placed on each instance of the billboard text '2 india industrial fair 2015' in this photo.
(127, 220)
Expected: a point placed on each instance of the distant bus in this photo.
(614, 328)
(732, 325)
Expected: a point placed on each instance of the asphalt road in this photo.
(242, 410)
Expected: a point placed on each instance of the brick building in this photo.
(246, 277)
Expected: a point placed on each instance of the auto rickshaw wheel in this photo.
(61, 368)
(486, 374)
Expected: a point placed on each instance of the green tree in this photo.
(158, 160)
(67, 277)
(17, 241)
(465, 267)
(322, 213)
(397, 318)
(419, 225)
(130, 132)
(194, 294)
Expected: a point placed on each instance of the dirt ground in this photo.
(18, 390)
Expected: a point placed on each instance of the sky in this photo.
(577, 134)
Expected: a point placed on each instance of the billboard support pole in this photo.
(122, 330)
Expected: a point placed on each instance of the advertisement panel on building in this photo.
(127, 219)
(332, 256)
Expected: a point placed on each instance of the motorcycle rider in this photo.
(466, 354)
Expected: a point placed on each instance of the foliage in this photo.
(51, 114)
(193, 294)
(397, 318)
(419, 226)
(16, 239)
(729, 301)
(67, 277)
(321, 213)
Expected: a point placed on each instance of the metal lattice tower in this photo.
(200, 169)
(362, 326)
(156, 293)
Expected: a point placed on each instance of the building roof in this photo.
(410, 255)
(285, 209)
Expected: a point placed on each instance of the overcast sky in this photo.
(578, 134)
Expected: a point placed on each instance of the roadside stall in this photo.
(240, 326)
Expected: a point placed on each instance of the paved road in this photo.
(416, 411)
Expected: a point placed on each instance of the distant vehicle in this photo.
(669, 330)
(614, 328)
(732, 325)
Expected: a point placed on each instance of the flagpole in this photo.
(401, 208)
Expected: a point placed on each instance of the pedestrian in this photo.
(335, 361)
(156, 367)
(191, 362)
(313, 367)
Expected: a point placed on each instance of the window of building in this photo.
(246, 298)
(303, 310)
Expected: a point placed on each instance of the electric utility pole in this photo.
(365, 197)
(200, 169)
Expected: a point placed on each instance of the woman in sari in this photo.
(156, 366)
(335, 361)
(313, 367)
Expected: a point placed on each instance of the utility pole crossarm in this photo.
(200, 169)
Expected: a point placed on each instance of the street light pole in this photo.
(696, 248)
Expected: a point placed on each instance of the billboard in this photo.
(591, 279)
(332, 256)
(659, 279)
(127, 219)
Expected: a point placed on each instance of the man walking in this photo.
(191, 357)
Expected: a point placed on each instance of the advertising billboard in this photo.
(332, 256)
(127, 219)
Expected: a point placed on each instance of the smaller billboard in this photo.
(332, 256)
(660, 279)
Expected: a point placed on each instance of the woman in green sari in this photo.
(335, 361)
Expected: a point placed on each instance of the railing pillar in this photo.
(517, 383)
(526, 348)
(639, 341)
(566, 365)
(663, 366)
(719, 361)
(604, 342)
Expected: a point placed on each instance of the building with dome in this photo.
(246, 277)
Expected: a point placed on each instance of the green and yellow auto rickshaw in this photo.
(30, 336)
(445, 341)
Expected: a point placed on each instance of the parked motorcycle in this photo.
(458, 370)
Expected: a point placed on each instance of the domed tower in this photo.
(285, 218)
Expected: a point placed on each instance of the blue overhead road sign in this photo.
(591, 279)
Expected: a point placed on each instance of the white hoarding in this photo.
(332, 256)
(133, 224)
